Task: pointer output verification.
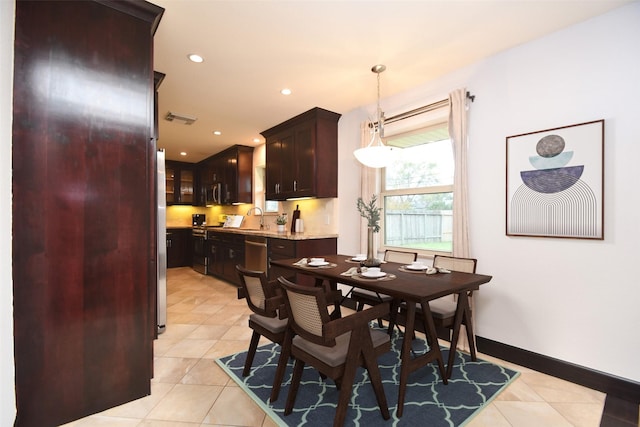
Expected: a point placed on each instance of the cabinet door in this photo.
(233, 255)
(84, 265)
(216, 257)
(230, 161)
(305, 165)
(179, 244)
(180, 181)
(172, 177)
(186, 190)
(273, 169)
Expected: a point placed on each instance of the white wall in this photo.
(7, 389)
(574, 300)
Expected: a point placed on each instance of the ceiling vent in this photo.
(188, 120)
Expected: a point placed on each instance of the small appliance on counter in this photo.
(198, 219)
(233, 221)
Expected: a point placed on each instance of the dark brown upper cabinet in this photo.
(226, 178)
(302, 156)
(181, 186)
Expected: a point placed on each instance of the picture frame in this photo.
(555, 182)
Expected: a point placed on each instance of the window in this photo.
(417, 192)
(268, 206)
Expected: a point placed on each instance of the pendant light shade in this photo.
(376, 154)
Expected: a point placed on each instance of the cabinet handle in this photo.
(295, 185)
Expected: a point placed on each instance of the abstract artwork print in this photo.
(555, 182)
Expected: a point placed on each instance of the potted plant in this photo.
(371, 212)
(281, 221)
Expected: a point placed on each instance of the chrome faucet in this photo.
(259, 209)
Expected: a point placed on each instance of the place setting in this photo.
(372, 273)
(315, 263)
(358, 258)
(420, 267)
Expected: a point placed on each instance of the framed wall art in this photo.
(555, 182)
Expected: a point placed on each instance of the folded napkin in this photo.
(350, 272)
(302, 262)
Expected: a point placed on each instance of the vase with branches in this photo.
(371, 212)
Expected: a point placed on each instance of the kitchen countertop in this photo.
(272, 233)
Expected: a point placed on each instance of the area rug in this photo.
(428, 401)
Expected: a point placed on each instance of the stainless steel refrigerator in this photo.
(162, 244)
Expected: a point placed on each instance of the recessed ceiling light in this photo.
(195, 58)
(217, 132)
(256, 140)
(183, 153)
(286, 91)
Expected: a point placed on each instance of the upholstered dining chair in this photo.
(443, 310)
(335, 347)
(364, 297)
(266, 302)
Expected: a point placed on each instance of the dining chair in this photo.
(334, 347)
(268, 317)
(364, 297)
(443, 310)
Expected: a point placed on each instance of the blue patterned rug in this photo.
(428, 402)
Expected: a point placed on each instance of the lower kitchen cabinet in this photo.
(226, 251)
(285, 248)
(179, 247)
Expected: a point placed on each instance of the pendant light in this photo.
(376, 154)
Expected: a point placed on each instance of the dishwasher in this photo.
(255, 253)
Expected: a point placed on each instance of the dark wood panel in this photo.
(83, 220)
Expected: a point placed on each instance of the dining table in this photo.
(413, 288)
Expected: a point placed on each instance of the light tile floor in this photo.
(206, 321)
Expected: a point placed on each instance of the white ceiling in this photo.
(323, 51)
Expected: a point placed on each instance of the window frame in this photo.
(435, 189)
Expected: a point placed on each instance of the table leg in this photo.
(405, 355)
(432, 339)
(462, 314)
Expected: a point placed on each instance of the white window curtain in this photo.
(458, 118)
(459, 140)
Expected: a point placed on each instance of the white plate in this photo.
(355, 258)
(373, 274)
(317, 263)
(411, 267)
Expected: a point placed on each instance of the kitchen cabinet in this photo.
(179, 247)
(285, 248)
(302, 156)
(227, 177)
(227, 250)
(180, 184)
(84, 169)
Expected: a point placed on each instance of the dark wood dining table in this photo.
(411, 287)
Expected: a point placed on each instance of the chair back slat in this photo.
(400, 256)
(463, 265)
(307, 308)
(305, 312)
(255, 291)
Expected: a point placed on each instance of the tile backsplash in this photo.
(319, 215)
